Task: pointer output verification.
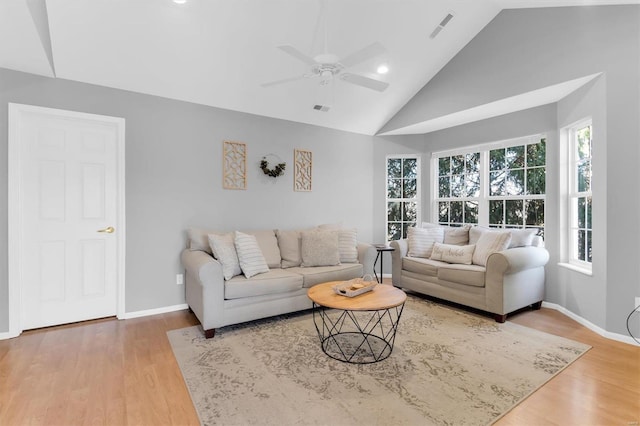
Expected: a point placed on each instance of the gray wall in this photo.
(174, 177)
(527, 49)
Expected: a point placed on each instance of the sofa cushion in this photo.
(421, 240)
(322, 274)
(249, 255)
(290, 246)
(453, 253)
(472, 275)
(272, 282)
(422, 266)
(348, 245)
(488, 243)
(199, 239)
(268, 246)
(320, 248)
(224, 249)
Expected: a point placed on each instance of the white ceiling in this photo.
(218, 52)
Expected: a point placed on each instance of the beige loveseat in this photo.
(218, 302)
(505, 281)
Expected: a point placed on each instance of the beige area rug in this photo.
(448, 367)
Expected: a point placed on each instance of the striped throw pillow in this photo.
(347, 245)
(421, 240)
(252, 261)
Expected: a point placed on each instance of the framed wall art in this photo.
(302, 168)
(234, 165)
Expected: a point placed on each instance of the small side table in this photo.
(380, 248)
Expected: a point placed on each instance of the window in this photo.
(403, 195)
(458, 189)
(499, 185)
(580, 197)
(517, 186)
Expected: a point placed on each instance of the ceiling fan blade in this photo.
(297, 54)
(284, 80)
(363, 54)
(363, 81)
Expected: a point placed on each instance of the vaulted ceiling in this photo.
(220, 52)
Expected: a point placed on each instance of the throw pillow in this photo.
(224, 250)
(249, 255)
(453, 253)
(348, 245)
(290, 248)
(522, 237)
(421, 240)
(488, 243)
(475, 232)
(458, 236)
(320, 248)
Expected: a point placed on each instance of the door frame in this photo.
(15, 195)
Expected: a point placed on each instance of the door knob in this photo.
(109, 230)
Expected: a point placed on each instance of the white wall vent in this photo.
(323, 108)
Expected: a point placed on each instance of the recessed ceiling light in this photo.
(383, 69)
(179, 1)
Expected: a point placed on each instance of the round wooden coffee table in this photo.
(360, 329)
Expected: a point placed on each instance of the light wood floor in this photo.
(124, 373)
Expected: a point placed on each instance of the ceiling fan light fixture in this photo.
(383, 69)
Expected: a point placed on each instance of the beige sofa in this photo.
(511, 279)
(218, 302)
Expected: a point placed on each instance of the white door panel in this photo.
(69, 193)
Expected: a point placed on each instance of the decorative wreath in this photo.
(278, 170)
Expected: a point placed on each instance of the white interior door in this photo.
(69, 230)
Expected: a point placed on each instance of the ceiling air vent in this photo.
(441, 25)
(322, 108)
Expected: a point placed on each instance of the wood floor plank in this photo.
(114, 372)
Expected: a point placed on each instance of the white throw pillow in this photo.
(290, 248)
(488, 243)
(453, 253)
(522, 237)
(249, 254)
(457, 235)
(421, 240)
(348, 245)
(224, 249)
(320, 248)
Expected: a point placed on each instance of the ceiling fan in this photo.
(329, 67)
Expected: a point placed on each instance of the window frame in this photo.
(418, 197)
(484, 197)
(573, 194)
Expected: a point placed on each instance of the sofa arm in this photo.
(367, 257)
(204, 287)
(515, 278)
(517, 259)
(401, 248)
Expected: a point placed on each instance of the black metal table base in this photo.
(357, 337)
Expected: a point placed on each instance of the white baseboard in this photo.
(156, 311)
(7, 335)
(591, 326)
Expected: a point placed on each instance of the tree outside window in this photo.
(498, 185)
(517, 185)
(403, 200)
(458, 189)
(581, 199)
